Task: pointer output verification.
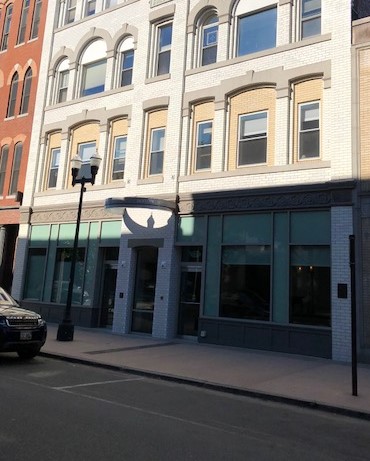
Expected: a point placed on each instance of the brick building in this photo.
(21, 29)
(224, 202)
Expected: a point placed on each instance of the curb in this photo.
(313, 405)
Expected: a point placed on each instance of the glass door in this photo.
(144, 295)
(108, 290)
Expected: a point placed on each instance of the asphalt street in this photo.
(54, 410)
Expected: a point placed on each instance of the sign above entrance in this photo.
(117, 205)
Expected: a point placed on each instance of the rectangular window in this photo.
(110, 3)
(245, 282)
(252, 139)
(90, 7)
(310, 18)
(127, 66)
(257, 32)
(54, 167)
(204, 146)
(119, 157)
(209, 45)
(36, 264)
(3, 163)
(23, 22)
(71, 11)
(309, 130)
(93, 78)
(61, 277)
(85, 151)
(157, 151)
(62, 86)
(164, 40)
(6, 29)
(15, 169)
(36, 20)
(310, 285)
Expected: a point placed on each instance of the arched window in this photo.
(26, 91)
(126, 60)
(209, 38)
(93, 64)
(62, 78)
(13, 95)
(6, 29)
(3, 163)
(15, 168)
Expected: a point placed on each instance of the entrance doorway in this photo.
(109, 278)
(190, 291)
(144, 295)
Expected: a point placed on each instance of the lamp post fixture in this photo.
(66, 328)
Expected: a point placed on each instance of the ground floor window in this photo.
(310, 285)
(245, 282)
(35, 273)
(61, 277)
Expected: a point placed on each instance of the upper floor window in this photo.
(13, 95)
(3, 164)
(252, 139)
(36, 19)
(85, 151)
(309, 130)
(110, 3)
(54, 167)
(203, 146)
(256, 32)
(209, 40)
(23, 21)
(90, 7)
(156, 151)
(26, 92)
(15, 168)
(164, 41)
(70, 11)
(126, 60)
(119, 157)
(310, 18)
(6, 29)
(94, 65)
(62, 81)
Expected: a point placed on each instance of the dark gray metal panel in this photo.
(266, 336)
(133, 243)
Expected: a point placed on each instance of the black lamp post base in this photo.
(65, 331)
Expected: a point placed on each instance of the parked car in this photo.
(21, 330)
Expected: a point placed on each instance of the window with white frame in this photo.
(203, 146)
(23, 22)
(90, 7)
(256, 31)
(15, 168)
(26, 93)
(93, 63)
(163, 53)
(110, 3)
(62, 77)
(126, 60)
(3, 164)
(156, 151)
(70, 11)
(209, 38)
(6, 27)
(85, 151)
(119, 157)
(54, 167)
(309, 130)
(36, 19)
(13, 95)
(310, 18)
(252, 139)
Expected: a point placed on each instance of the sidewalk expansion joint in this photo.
(130, 348)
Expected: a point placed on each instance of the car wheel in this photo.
(28, 353)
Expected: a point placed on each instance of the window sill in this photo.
(157, 78)
(151, 180)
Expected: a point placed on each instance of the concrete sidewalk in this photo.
(306, 381)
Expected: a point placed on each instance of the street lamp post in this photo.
(66, 328)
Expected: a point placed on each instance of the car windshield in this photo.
(5, 298)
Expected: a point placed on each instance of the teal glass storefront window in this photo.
(36, 264)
